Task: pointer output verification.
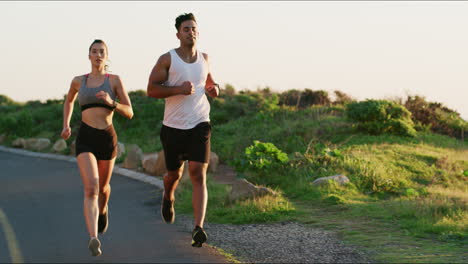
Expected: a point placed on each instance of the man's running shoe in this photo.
(167, 210)
(103, 221)
(198, 237)
(95, 247)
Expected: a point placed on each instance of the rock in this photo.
(120, 150)
(242, 189)
(340, 179)
(37, 144)
(2, 138)
(134, 157)
(149, 163)
(18, 143)
(213, 163)
(160, 166)
(60, 145)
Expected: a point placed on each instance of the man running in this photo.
(182, 76)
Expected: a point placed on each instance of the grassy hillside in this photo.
(408, 168)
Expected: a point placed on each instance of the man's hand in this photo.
(187, 88)
(212, 90)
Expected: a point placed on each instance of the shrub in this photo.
(436, 116)
(261, 156)
(342, 98)
(381, 116)
(5, 100)
(303, 99)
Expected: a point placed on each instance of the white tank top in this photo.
(186, 111)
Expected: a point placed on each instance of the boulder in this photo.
(18, 143)
(340, 179)
(242, 189)
(38, 144)
(59, 145)
(149, 163)
(120, 150)
(160, 166)
(133, 158)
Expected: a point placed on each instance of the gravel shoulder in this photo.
(285, 242)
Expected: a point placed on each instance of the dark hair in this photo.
(105, 45)
(98, 41)
(182, 18)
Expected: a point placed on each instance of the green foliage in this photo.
(342, 98)
(5, 100)
(262, 156)
(335, 199)
(222, 210)
(228, 90)
(380, 116)
(303, 99)
(436, 117)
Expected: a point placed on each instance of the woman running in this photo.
(96, 142)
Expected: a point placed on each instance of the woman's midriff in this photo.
(97, 117)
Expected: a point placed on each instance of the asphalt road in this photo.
(41, 218)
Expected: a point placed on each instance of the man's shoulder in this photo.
(165, 59)
(205, 55)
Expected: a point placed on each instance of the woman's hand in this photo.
(105, 97)
(66, 133)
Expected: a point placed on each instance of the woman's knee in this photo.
(91, 191)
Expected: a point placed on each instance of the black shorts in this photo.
(186, 144)
(101, 142)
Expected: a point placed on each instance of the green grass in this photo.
(222, 210)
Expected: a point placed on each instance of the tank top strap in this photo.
(83, 81)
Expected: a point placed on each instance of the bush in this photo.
(260, 156)
(5, 100)
(437, 117)
(303, 99)
(342, 98)
(380, 116)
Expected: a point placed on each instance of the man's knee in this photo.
(197, 172)
(104, 189)
(174, 175)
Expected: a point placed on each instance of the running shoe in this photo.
(95, 247)
(199, 237)
(103, 221)
(167, 210)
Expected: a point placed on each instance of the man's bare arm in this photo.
(211, 87)
(158, 77)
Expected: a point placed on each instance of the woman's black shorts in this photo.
(101, 142)
(186, 144)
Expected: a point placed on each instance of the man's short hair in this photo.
(182, 18)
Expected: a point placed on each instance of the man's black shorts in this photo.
(186, 144)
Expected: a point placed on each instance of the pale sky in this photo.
(366, 49)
